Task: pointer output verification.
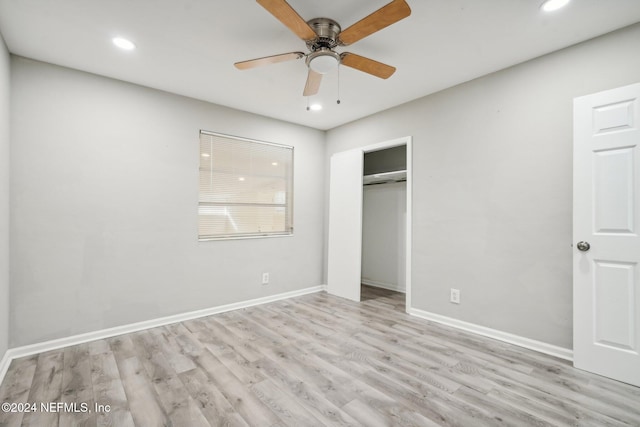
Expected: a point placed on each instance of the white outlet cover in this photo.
(455, 296)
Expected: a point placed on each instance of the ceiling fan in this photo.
(323, 35)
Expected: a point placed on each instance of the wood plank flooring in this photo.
(315, 360)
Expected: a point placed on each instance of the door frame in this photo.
(408, 141)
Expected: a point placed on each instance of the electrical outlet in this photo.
(265, 278)
(455, 296)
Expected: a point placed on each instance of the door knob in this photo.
(583, 246)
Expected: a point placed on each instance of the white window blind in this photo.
(246, 188)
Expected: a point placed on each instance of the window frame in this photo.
(289, 205)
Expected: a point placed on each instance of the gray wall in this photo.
(104, 197)
(492, 195)
(4, 197)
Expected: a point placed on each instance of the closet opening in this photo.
(384, 224)
(345, 234)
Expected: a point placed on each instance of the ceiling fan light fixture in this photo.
(551, 5)
(323, 61)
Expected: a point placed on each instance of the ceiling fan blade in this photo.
(313, 83)
(289, 17)
(367, 65)
(381, 18)
(252, 63)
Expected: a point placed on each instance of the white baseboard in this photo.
(4, 365)
(28, 350)
(542, 347)
(389, 286)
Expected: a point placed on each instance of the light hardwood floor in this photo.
(312, 360)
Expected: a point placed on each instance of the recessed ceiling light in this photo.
(274, 164)
(551, 5)
(315, 107)
(241, 178)
(123, 43)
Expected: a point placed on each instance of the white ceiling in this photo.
(188, 47)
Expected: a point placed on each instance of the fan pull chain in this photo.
(338, 100)
(308, 108)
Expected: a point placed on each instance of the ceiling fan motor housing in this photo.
(327, 31)
(322, 58)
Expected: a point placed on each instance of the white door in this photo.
(345, 224)
(606, 231)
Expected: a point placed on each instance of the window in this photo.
(246, 188)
